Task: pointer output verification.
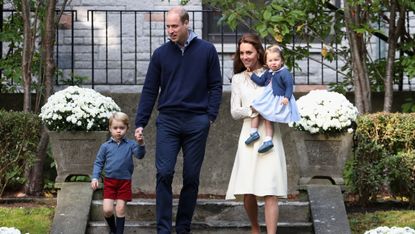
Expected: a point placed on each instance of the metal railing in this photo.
(113, 47)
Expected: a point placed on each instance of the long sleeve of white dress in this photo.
(237, 110)
(240, 102)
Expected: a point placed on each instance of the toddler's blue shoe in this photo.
(267, 145)
(252, 137)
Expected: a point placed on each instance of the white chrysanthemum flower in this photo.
(9, 230)
(77, 109)
(323, 111)
(392, 230)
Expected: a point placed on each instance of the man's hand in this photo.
(139, 137)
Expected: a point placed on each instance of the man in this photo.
(186, 71)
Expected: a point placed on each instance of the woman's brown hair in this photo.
(255, 41)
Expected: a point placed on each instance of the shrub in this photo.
(19, 137)
(384, 155)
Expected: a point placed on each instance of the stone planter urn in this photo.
(75, 152)
(322, 157)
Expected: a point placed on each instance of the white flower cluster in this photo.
(325, 112)
(392, 230)
(77, 109)
(9, 230)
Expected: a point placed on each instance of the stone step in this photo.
(210, 210)
(214, 227)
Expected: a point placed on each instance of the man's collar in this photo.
(191, 35)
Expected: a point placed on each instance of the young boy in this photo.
(115, 157)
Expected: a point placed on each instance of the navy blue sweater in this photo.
(183, 82)
(282, 81)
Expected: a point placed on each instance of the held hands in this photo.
(284, 101)
(94, 184)
(139, 137)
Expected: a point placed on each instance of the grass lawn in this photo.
(33, 220)
(361, 222)
(38, 219)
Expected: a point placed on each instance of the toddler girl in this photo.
(277, 103)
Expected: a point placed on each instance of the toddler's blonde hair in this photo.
(274, 49)
(120, 116)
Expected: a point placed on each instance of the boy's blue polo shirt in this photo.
(116, 159)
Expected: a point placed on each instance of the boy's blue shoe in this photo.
(267, 145)
(252, 137)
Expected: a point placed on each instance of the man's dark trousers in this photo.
(175, 131)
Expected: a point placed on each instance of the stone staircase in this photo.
(211, 216)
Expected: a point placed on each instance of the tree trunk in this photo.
(395, 31)
(34, 185)
(358, 56)
(27, 55)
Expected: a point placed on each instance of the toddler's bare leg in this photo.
(255, 122)
(269, 128)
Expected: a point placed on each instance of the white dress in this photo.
(253, 172)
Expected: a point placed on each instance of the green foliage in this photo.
(49, 173)
(279, 21)
(75, 80)
(78, 178)
(312, 22)
(384, 155)
(12, 36)
(401, 172)
(408, 62)
(19, 137)
(409, 106)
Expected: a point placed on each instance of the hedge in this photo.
(19, 137)
(384, 156)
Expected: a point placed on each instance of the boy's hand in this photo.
(284, 101)
(94, 184)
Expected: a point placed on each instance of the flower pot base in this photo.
(75, 152)
(321, 157)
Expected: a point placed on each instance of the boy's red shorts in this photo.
(117, 189)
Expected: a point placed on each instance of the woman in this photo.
(254, 175)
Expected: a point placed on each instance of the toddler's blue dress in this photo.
(268, 105)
